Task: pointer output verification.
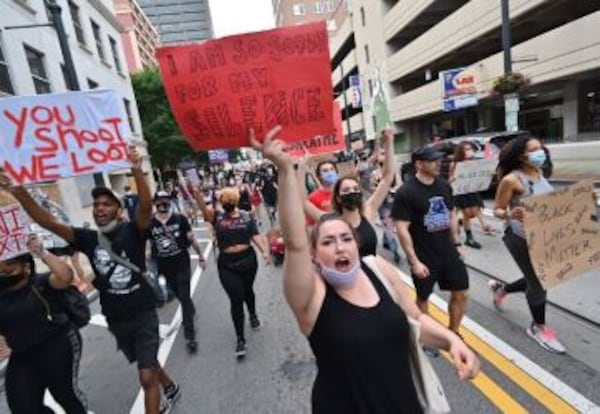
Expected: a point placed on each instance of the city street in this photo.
(276, 377)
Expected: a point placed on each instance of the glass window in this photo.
(298, 9)
(74, 10)
(5, 83)
(129, 114)
(115, 52)
(38, 70)
(362, 16)
(329, 6)
(98, 40)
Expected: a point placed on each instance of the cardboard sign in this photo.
(473, 176)
(322, 144)
(221, 88)
(346, 169)
(48, 137)
(563, 240)
(14, 230)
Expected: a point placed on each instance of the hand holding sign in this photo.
(272, 148)
(135, 157)
(35, 245)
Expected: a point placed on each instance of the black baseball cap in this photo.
(426, 154)
(161, 195)
(98, 191)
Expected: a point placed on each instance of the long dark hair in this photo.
(461, 149)
(511, 156)
(335, 194)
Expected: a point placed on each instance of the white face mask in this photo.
(111, 226)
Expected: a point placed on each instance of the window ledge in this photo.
(26, 6)
(85, 48)
(105, 63)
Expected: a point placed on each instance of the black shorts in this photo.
(450, 276)
(138, 338)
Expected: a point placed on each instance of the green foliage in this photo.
(166, 143)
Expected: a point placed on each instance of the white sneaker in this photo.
(545, 336)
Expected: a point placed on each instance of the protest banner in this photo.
(14, 227)
(330, 143)
(221, 88)
(53, 136)
(562, 238)
(473, 176)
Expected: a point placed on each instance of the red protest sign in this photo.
(329, 143)
(221, 88)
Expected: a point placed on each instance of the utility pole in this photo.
(511, 100)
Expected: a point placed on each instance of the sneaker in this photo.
(431, 351)
(498, 293)
(240, 349)
(171, 394)
(545, 336)
(191, 345)
(473, 243)
(254, 322)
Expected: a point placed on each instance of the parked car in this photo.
(487, 145)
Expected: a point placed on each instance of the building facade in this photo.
(554, 45)
(31, 63)
(293, 12)
(138, 35)
(179, 21)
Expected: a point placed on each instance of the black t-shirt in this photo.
(427, 208)
(23, 317)
(170, 240)
(234, 230)
(123, 293)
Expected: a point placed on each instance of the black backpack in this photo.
(63, 306)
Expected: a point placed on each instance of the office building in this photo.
(179, 21)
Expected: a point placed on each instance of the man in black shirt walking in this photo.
(170, 236)
(116, 253)
(428, 232)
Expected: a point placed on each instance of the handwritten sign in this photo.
(221, 88)
(329, 144)
(48, 137)
(473, 176)
(346, 169)
(14, 229)
(562, 238)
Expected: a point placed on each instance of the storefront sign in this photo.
(459, 81)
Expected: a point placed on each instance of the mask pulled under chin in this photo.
(338, 279)
(110, 227)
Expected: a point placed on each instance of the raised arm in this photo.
(309, 208)
(37, 213)
(143, 213)
(387, 176)
(61, 274)
(299, 282)
(207, 212)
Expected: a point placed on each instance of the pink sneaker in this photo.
(545, 336)
(498, 293)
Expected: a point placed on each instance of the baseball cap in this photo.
(160, 194)
(426, 154)
(98, 191)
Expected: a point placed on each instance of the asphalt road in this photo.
(277, 375)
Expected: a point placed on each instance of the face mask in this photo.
(338, 279)
(537, 158)
(329, 178)
(110, 227)
(351, 201)
(162, 208)
(228, 207)
(6, 282)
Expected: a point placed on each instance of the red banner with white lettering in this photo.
(220, 88)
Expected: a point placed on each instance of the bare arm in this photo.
(406, 241)
(504, 194)
(143, 213)
(37, 213)
(61, 274)
(207, 212)
(385, 184)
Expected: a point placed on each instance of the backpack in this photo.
(63, 305)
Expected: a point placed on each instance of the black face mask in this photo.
(162, 208)
(351, 201)
(228, 207)
(6, 282)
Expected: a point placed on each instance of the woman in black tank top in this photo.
(347, 200)
(358, 334)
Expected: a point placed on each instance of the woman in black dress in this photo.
(358, 334)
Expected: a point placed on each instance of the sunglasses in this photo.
(163, 204)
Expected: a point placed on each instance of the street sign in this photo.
(459, 102)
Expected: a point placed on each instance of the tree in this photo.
(166, 144)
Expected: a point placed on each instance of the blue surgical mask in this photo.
(329, 178)
(337, 279)
(537, 158)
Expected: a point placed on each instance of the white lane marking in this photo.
(99, 320)
(568, 394)
(167, 344)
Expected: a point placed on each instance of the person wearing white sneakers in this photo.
(521, 176)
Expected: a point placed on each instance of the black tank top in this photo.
(362, 357)
(367, 238)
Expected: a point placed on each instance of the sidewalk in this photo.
(579, 295)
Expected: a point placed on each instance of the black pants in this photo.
(178, 273)
(237, 272)
(53, 365)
